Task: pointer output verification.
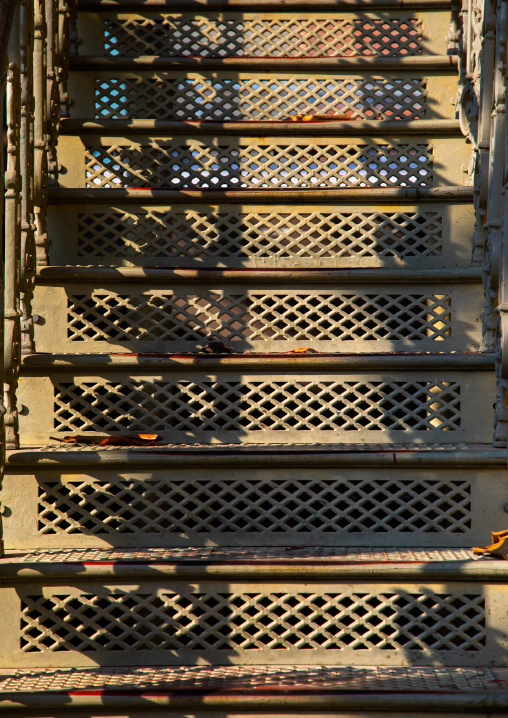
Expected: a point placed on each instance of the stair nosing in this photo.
(472, 570)
(259, 456)
(432, 701)
(434, 63)
(54, 274)
(343, 195)
(280, 128)
(463, 361)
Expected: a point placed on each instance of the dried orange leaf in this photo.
(125, 440)
(319, 118)
(498, 547)
(302, 350)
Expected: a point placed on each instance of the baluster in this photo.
(12, 337)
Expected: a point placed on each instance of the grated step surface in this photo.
(250, 678)
(242, 554)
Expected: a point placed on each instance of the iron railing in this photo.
(35, 36)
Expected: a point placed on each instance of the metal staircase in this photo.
(263, 248)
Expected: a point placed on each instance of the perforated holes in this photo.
(278, 620)
(194, 234)
(230, 406)
(302, 316)
(274, 164)
(174, 35)
(258, 99)
(291, 507)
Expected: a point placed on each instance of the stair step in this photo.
(283, 689)
(362, 317)
(63, 496)
(260, 162)
(275, 32)
(88, 612)
(356, 228)
(400, 95)
(274, 399)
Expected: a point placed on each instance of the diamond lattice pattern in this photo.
(174, 35)
(233, 406)
(257, 99)
(254, 506)
(274, 163)
(306, 316)
(254, 621)
(203, 234)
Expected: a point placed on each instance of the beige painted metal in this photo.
(433, 235)
(355, 318)
(61, 611)
(261, 96)
(270, 34)
(378, 506)
(457, 622)
(218, 162)
(277, 407)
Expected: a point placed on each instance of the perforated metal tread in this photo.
(214, 450)
(250, 35)
(170, 96)
(255, 678)
(242, 554)
(214, 162)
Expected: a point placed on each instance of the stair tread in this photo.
(239, 555)
(217, 449)
(372, 679)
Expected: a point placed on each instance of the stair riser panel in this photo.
(264, 162)
(229, 622)
(399, 33)
(432, 235)
(232, 407)
(382, 507)
(222, 96)
(356, 318)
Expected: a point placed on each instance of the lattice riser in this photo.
(268, 34)
(240, 163)
(276, 408)
(430, 235)
(271, 622)
(357, 318)
(231, 506)
(224, 96)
